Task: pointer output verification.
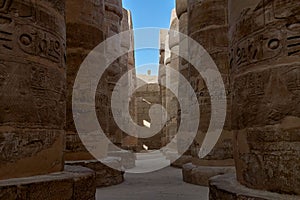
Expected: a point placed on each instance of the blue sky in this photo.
(149, 13)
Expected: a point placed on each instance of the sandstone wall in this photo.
(146, 96)
(32, 87)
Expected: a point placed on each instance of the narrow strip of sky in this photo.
(149, 13)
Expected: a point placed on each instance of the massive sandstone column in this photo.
(265, 73)
(85, 30)
(113, 18)
(162, 74)
(128, 65)
(163, 79)
(32, 86)
(171, 99)
(33, 105)
(183, 68)
(208, 26)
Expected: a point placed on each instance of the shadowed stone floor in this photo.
(165, 184)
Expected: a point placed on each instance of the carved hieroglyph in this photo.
(85, 30)
(207, 24)
(32, 87)
(265, 67)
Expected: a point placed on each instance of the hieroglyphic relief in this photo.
(41, 44)
(40, 88)
(5, 4)
(256, 40)
(42, 38)
(32, 85)
(262, 44)
(256, 96)
(21, 144)
(265, 50)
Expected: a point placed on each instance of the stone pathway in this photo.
(165, 184)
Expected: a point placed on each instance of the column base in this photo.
(200, 175)
(127, 158)
(226, 187)
(105, 176)
(182, 161)
(75, 182)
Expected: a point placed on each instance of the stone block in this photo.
(200, 175)
(104, 174)
(71, 184)
(226, 187)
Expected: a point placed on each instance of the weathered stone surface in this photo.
(184, 67)
(128, 64)
(184, 159)
(127, 158)
(72, 184)
(199, 175)
(146, 96)
(222, 151)
(265, 77)
(172, 81)
(32, 87)
(169, 41)
(163, 53)
(207, 24)
(105, 176)
(226, 187)
(113, 25)
(85, 30)
(181, 7)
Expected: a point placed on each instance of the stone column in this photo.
(33, 104)
(183, 68)
(172, 81)
(265, 74)
(171, 98)
(113, 18)
(166, 92)
(32, 87)
(128, 65)
(170, 61)
(209, 27)
(162, 74)
(85, 30)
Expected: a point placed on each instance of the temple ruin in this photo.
(255, 45)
